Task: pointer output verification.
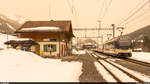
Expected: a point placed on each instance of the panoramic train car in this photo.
(118, 46)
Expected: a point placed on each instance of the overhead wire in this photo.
(106, 10)
(76, 13)
(70, 6)
(145, 18)
(50, 9)
(73, 11)
(101, 9)
(139, 16)
(135, 12)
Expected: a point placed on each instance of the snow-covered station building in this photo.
(54, 38)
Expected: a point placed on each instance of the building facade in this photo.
(53, 37)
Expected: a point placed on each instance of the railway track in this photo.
(138, 62)
(135, 61)
(111, 72)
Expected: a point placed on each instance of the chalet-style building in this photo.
(54, 38)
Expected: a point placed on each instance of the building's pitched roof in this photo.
(65, 26)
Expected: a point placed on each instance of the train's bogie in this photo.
(123, 55)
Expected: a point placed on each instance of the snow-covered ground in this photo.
(78, 52)
(141, 56)
(19, 66)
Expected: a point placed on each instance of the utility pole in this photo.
(113, 25)
(7, 34)
(77, 42)
(102, 39)
(99, 21)
(108, 36)
(85, 33)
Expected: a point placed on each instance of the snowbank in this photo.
(3, 38)
(20, 66)
(142, 56)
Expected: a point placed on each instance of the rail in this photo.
(116, 78)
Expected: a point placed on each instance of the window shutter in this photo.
(54, 48)
(45, 48)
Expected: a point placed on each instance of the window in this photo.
(53, 39)
(50, 48)
(50, 39)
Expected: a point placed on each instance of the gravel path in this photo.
(89, 71)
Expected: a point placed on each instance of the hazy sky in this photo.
(87, 11)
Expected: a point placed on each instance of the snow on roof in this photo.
(1, 47)
(10, 27)
(41, 28)
(89, 43)
(138, 49)
(21, 39)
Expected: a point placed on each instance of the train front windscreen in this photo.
(124, 42)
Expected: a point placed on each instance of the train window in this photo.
(124, 43)
(109, 46)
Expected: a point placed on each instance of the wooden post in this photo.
(59, 44)
(102, 39)
(113, 25)
(71, 45)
